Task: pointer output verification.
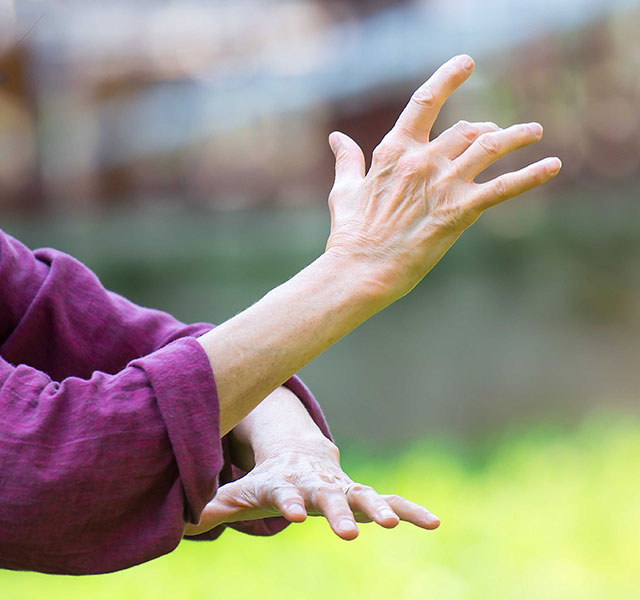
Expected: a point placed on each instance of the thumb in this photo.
(215, 513)
(222, 508)
(349, 157)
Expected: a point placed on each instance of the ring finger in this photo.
(489, 147)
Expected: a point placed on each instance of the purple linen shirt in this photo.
(109, 422)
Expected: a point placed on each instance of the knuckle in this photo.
(467, 131)
(386, 152)
(501, 189)
(489, 144)
(279, 490)
(324, 491)
(358, 489)
(424, 97)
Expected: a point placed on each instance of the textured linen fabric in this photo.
(109, 423)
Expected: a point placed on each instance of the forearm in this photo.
(279, 420)
(259, 349)
(389, 227)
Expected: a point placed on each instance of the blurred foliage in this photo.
(541, 513)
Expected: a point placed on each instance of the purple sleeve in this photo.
(57, 317)
(100, 474)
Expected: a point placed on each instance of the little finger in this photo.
(412, 512)
(512, 184)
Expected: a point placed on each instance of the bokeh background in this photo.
(179, 148)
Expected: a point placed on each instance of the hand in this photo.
(297, 479)
(420, 195)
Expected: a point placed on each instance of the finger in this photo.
(455, 140)
(350, 163)
(420, 114)
(411, 512)
(289, 502)
(489, 147)
(335, 508)
(366, 500)
(216, 512)
(512, 184)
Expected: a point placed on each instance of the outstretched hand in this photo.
(420, 195)
(298, 479)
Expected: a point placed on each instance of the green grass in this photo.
(540, 514)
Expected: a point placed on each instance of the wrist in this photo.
(280, 421)
(361, 279)
(307, 443)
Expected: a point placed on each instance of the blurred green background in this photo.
(179, 149)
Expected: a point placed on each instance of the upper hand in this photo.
(420, 195)
(300, 478)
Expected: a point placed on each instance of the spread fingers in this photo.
(489, 147)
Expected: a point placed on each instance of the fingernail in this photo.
(432, 517)
(536, 128)
(465, 61)
(387, 514)
(346, 525)
(555, 164)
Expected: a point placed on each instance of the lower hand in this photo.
(296, 479)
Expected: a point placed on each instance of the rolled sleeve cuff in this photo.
(184, 385)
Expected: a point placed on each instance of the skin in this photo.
(296, 472)
(294, 469)
(389, 227)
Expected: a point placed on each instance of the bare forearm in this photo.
(389, 227)
(259, 349)
(279, 420)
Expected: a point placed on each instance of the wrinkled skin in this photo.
(420, 195)
(389, 227)
(296, 479)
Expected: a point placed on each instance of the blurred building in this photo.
(230, 104)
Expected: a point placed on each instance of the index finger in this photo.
(417, 119)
